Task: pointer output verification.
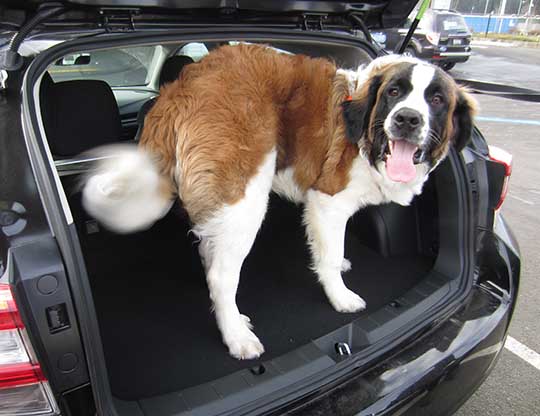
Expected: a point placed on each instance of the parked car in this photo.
(442, 37)
(97, 323)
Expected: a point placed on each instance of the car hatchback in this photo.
(93, 322)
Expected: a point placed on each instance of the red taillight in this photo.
(9, 315)
(23, 387)
(501, 156)
(433, 37)
(20, 374)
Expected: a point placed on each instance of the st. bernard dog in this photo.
(247, 120)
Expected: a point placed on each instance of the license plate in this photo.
(458, 41)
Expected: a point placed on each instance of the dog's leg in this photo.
(326, 218)
(225, 242)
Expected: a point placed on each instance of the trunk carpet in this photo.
(150, 293)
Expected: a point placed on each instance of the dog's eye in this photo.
(436, 100)
(393, 92)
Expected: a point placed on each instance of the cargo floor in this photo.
(150, 293)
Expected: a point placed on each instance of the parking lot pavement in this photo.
(517, 66)
(514, 385)
(511, 389)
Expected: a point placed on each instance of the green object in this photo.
(422, 10)
(414, 25)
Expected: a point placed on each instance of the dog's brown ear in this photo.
(463, 119)
(357, 112)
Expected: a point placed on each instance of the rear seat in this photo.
(77, 116)
(82, 114)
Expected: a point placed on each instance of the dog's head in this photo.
(406, 112)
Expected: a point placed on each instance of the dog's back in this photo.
(212, 128)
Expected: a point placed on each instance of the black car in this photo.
(442, 38)
(97, 323)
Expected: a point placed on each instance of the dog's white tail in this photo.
(126, 191)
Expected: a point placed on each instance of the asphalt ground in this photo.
(507, 64)
(513, 388)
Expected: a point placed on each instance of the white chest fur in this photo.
(367, 186)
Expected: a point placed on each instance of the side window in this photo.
(195, 50)
(121, 67)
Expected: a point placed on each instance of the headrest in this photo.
(82, 114)
(172, 68)
(44, 94)
(46, 83)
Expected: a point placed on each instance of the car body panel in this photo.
(435, 375)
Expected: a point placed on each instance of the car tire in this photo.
(410, 51)
(448, 66)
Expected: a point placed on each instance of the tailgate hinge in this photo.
(115, 19)
(313, 21)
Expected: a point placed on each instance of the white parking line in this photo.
(525, 201)
(523, 352)
(509, 120)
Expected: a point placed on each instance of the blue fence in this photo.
(497, 24)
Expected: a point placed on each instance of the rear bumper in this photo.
(457, 57)
(437, 54)
(436, 373)
(455, 54)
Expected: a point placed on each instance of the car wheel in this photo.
(410, 51)
(448, 66)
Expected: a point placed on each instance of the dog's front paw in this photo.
(245, 345)
(345, 300)
(346, 265)
(242, 342)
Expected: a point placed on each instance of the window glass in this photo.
(118, 67)
(194, 50)
(451, 23)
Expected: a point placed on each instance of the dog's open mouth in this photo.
(400, 157)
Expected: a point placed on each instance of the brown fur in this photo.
(211, 129)
(219, 125)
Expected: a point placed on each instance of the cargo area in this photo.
(162, 348)
(159, 334)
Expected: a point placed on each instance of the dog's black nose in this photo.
(407, 119)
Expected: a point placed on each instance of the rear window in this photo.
(117, 67)
(451, 23)
(195, 50)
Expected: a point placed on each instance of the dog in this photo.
(247, 120)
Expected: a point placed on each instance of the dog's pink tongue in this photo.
(399, 164)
